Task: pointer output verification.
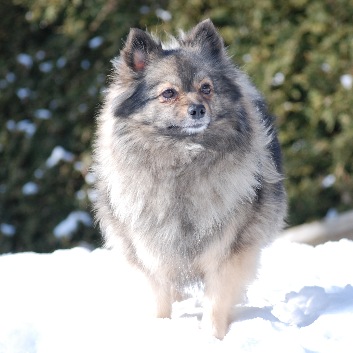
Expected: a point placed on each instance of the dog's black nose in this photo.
(197, 111)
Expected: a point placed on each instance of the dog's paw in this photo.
(216, 328)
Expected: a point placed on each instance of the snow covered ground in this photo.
(81, 302)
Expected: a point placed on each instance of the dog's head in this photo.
(187, 90)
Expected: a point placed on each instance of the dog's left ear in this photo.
(139, 49)
(205, 36)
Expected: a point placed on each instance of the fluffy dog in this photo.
(188, 167)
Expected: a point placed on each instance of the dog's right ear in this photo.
(205, 36)
(139, 49)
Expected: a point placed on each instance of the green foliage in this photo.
(54, 58)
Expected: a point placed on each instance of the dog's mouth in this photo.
(189, 128)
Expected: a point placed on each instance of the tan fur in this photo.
(225, 286)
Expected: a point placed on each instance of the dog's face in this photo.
(185, 96)
(189, 91)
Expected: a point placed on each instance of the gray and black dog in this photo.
(188, 166)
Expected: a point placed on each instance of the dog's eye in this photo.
(169, 93)
(206, 88)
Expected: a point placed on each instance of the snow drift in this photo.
(81, 301)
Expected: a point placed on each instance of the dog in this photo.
(189, 172)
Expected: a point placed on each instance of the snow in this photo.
(25, 126)
(25, 60)
(23, 93)
(7, 229)
(346, 81)
(10, 77)
(328, 181)
(81, 301)
(58, 154)
(70, 224)
(30, 188)
(46, 66)
(95, 42)
(85, 64)
(43, 114)
(326, 67)
(278, 79)
(247, 58)
(90, 178)
(39, 173)
(61, 62)
(163, 15)
(40, 54)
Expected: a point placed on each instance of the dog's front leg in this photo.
(225, 286)
(163, 297)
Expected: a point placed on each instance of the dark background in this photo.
(54, 59)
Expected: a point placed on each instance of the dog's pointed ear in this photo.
(139, 47)
(205, 36)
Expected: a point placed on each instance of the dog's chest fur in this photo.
(179, 207)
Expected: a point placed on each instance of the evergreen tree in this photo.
(54, 59)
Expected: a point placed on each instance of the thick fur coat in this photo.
(188, 166)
